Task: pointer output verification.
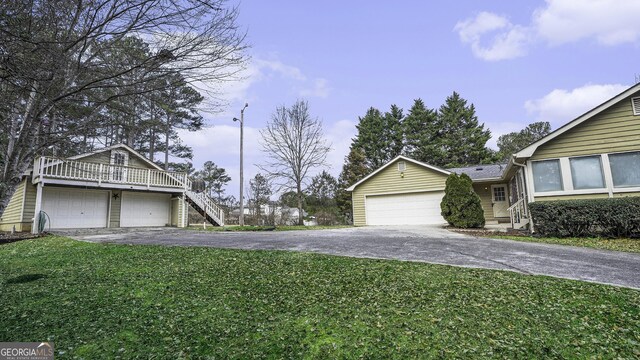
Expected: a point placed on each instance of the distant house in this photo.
(107, 188)
(281, 215)
(596, 155)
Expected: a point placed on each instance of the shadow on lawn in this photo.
(23, 279)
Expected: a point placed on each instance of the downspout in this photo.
(526, 188)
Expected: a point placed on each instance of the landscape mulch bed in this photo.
(487, 233)
(7, 237)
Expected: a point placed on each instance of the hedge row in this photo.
(611, 218)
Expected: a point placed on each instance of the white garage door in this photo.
(405, 209)
(142, 209)
(75, 208)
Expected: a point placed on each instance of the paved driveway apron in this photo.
(419, 243)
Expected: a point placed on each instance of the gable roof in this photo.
(482, 172)
(399, 157)
(529, 150)
(118, 146)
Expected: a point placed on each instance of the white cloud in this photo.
(509, 41)
(560, 105)
(607, 22)
(275, 66)
(320, 89)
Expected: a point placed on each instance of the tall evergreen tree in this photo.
(354, 169)
(380, 136)
(463, 138)
(423, 133)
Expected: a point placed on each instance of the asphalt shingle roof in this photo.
(478, 172)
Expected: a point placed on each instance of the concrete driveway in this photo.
(418, 243)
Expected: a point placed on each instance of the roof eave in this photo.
(445, 172)
(531, 149)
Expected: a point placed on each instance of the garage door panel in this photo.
(145, 209)
(75, 208)
(404, 209)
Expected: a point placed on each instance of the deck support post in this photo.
(36, 215)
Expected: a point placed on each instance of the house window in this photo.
(547, 176)
(120, 160)
(586, 172)
(625, 169)
(402, 166)
(499, 194)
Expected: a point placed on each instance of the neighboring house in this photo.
(597, 155)
(108, 188)
(282, 215)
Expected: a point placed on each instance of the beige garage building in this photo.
(402, 192)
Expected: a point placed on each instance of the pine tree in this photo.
(353, 170)
(422, 134)
(215, 178)
(370, 138)
(463, 138)
(380, 136)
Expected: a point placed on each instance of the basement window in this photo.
(635, 104)
(402, 166)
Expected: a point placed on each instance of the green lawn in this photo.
(628, 245)
(106, 301)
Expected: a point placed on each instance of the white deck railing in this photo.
(49, 167)
(54, 168)
(518, 214)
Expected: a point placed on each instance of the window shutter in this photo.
(635, 104)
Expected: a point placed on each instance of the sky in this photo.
(517, 61)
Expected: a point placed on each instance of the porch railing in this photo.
(50, 167)
(518, 214)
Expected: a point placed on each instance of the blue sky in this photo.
(516, 61)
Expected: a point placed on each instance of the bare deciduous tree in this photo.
(294, 144)
(58, 55)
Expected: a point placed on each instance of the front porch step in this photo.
(521, 225)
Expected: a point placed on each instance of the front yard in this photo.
(108, 301)
(628, 245)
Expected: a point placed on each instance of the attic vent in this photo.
(479, 169)
(635, 104)
(402, 166)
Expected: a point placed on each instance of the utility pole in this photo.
(241, 217)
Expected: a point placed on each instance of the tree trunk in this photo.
(152, 145)
(300, 214)
(166, 144)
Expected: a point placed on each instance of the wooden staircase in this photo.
(206, 207)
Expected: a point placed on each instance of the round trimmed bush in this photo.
(461, 206)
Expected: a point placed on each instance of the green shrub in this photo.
(461, 206)
(611, 218)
